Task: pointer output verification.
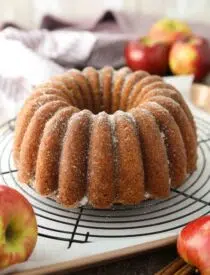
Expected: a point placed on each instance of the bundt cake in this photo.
(104, 137)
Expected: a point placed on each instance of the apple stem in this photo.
(9, 233)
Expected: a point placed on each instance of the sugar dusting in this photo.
(83, 201)
(162, 134)
(147, 195)
(112, 125)
(112, 118)
(101, 89)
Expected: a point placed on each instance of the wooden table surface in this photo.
(142, 264)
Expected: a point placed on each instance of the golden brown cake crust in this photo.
(159, 87)
(136, 96)
(73, 160)
(101, 189)
(153, 152)
(106, 80)
(47, 168)
(24, 119)
(185, 127)
(119, 80)
(85, 89)
(32, 138)
(40, 91)
(92, 77)
(58, 86)
(130, 181)
(103, 137)
(129, 89)
(173, 141)
(72, 87)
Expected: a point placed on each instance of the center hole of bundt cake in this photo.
(109, 109)
(105, 90)
(110, 106)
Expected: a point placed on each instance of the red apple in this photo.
(18, 227)
(190, 55)
(193, 244)
(169, 30)
(146, 54)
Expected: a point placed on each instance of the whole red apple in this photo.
(169, 30)
(146, 54)
(18, 227)
(193, 244)
(190, 55)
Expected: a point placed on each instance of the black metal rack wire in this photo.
(84, 224)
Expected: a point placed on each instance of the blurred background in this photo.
(42, 38)
(28, 13)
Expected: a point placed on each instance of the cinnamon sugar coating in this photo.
(105, 136)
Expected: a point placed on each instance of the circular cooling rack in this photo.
(87, 225)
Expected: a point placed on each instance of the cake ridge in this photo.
(129, 160)
(119, 79)
(185, 128)
(28, 154)
(167, 124)
(24, 118)
(141, 84)
(101, 105)
(153, 151)
(73, 165)
(115, 153)
(92, 77)
(49, 151)
(131, 80)
(81, 82)
(72, 86)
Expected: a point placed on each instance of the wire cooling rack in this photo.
(82, 225)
